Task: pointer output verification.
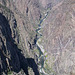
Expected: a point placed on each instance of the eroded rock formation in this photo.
(37, 37)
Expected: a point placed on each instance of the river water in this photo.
(42, 53)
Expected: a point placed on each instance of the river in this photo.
(42, 52)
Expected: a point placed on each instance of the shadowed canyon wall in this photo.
(37, 37)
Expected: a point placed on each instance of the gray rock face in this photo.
(12, 58)
(59, 38)
(32, 43)
(7, 47)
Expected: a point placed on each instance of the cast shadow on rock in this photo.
(17, 60)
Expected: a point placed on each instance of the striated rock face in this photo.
(15, 42)
(58, 35)
(37, 37)
(11, 58)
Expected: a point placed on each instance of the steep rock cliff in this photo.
(37, 37)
